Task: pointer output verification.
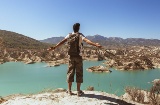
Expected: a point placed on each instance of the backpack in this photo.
(73, 44)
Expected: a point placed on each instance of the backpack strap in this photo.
(70, 34)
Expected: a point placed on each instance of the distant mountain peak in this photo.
(112, 40)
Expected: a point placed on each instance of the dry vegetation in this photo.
(151, 97)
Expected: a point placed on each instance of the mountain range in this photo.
(117, 41)
(16, 40)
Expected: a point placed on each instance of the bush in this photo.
(136, 94)
(154, 96)
(2, 100)
(90, 88)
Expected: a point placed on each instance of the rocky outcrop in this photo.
(134, 58)
(124, 58)
(28, 61)
(57, 62)
(98, 69)
(60, 97)
(93, 54)
(55, 58)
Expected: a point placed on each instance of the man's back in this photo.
(73, 44)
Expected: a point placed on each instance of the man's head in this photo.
(76, 27)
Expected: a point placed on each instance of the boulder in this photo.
(1, 61)
(29, 61)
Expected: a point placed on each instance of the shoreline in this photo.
(62, 61)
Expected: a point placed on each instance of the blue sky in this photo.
(41, 19)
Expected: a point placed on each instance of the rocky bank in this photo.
(124, 58)
(134, 58)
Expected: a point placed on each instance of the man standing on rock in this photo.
(74, 40)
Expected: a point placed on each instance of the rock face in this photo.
(98, 69)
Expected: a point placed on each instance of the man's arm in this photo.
(92, 43)
(57, 45)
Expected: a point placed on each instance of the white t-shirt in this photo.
(81, 37)
(80, 40)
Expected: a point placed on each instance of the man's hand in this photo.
(98, 45)
(92, 43)
(51, 48)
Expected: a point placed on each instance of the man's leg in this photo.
(78, 86)
(69, 86)
(79, 72)
(79, 92)
(70, 73)
(79, 75)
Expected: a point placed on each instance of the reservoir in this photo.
(17, 77)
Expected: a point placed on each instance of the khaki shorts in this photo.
(75, 66)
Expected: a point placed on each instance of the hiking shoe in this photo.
(69, 92)
(79, 93)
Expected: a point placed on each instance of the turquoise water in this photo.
(17, 77)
